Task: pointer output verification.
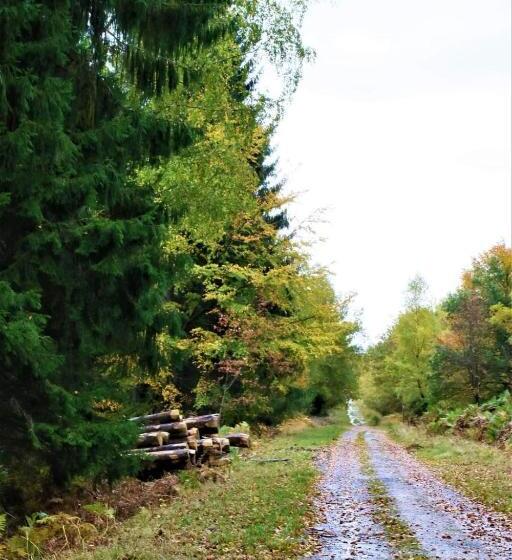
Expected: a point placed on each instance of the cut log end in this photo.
(174, 428)
(151, 439)
(173, 456)
(239, 440)
(173, 415)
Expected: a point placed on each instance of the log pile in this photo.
(169, 441)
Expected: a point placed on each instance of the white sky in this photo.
(401, 130)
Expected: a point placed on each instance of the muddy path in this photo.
(377, 502)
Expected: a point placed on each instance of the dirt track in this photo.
(443, 524)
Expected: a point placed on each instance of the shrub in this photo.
(490, 422)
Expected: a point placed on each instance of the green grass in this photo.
(482, 472)
(260, 511)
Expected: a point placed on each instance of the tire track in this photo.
(445, 524)
(348, 529)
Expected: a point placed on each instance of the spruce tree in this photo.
(81, 276)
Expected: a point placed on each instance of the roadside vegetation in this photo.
(489, 422)
(146, 259)
(449, 366)
(258, 507)
(435, 359)
(480, 471)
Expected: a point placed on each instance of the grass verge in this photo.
(258, 510)
(398, 533)
(479, 471)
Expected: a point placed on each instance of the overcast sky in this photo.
(401, 130)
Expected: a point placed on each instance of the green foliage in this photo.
(490, 422)
(398, 370)
(439, 361)
(377, 385)
(81, 267)
(243, 427)
(266, 335)
(142, 262)
(261, 335)
(371, 417)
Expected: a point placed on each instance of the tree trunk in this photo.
(167, 447)
(239, 440)
(157, 438)
(162, 417)
(173, 455)
(182, 439)
(174, 428)
(420, 389)
(208, 424)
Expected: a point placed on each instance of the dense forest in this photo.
(148, 265)
(450, 364)
(145, 256)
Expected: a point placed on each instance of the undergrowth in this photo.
(490, 422)
(256, 508)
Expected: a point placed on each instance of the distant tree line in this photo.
(452, 355)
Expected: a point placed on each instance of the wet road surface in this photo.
(445, 524)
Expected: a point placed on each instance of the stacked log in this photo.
(169, 441)
(152, 438)
(239, 440)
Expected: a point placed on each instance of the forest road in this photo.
(377, 502)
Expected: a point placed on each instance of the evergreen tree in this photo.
(80, 258)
